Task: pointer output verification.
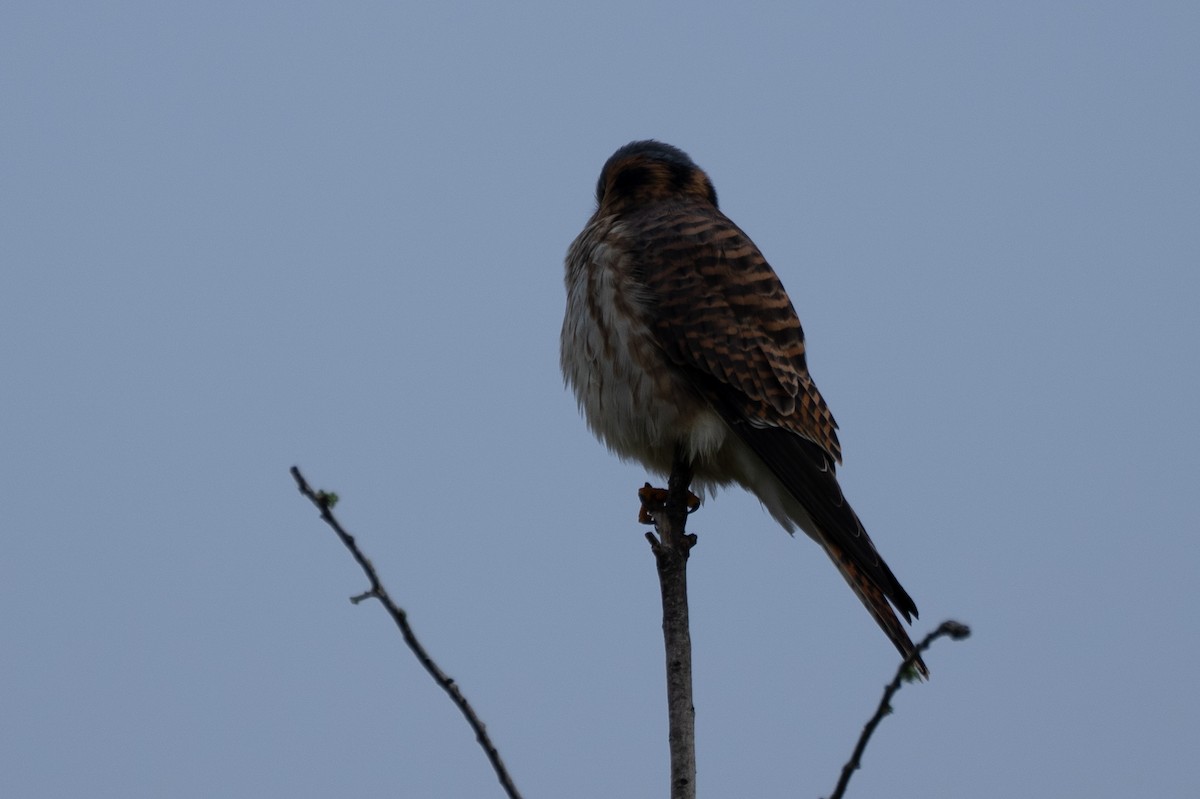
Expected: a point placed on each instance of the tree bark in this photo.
(671, 549)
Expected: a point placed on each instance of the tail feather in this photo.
(804, 474)
(876, 603)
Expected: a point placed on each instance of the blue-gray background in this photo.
(237, 237)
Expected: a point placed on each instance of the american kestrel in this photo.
(678, 334)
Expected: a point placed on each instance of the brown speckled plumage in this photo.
(679, 333)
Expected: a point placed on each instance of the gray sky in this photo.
(237, 237)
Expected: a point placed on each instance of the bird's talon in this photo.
(655, 499)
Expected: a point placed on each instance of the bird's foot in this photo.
(655, 500)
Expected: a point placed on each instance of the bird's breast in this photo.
(633, 397)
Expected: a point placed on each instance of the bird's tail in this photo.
(876, 603)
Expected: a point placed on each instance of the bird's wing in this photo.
(720, 312)
(719, 309)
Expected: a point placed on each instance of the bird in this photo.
(679, 338)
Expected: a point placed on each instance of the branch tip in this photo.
(906, 672)
(324, 501)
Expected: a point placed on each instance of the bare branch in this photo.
(324, 502)
(671, 549)
(906, 673)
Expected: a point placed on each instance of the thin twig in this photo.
(956, 631)
(324, 502)
(671, 549)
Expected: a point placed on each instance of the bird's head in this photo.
(645, 171)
